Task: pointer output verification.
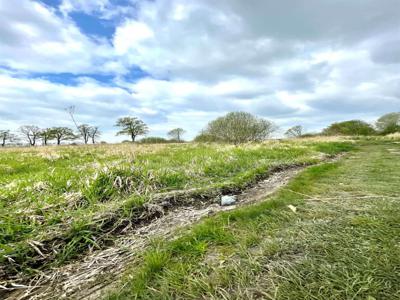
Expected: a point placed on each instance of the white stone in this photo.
(228, 200)
(292, 208)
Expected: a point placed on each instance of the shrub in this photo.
(294, 132)
(389, 123)
(353, 127)
(238, 127)
(154, 140)
(205, 138)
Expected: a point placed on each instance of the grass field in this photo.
(58, 202)
(342, 241)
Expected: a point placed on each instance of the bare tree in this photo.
(84, 131)
(31, 133)
(294, 132)
(176, 134)
(131, 126)
(6, 135)
(94, 133)
(62, 133)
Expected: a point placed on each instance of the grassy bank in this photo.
(57, 202)
(342, 241)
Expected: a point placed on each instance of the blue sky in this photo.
(181, 63)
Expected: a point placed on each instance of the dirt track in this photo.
(94, 275)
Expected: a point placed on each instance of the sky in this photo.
(182, 63)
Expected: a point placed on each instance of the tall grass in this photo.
(341, 243)
(66, 193)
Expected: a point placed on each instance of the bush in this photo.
(390, 128)
(205, 138)
(294, 132)
(353, 127)
(237, 127)
(389, 123)
(310, 135)
(154, 140)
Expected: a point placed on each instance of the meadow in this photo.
(331, 233)
(59, 202)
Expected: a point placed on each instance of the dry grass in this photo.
(341, 243)
(60, 202)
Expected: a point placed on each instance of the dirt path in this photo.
(100, 270)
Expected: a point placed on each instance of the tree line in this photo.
(386, 124)
(32, 134)
(241, 127)
(234, 127)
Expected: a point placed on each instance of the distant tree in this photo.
(309, 135)
(154, 140)
(94, 133)
(239, 127)
(46, 135)
(204, 137)
(62, 133)
(84, 132)
(294, 132)
(389, 123)
(176, 134)
(131, 126)
(31, 133)
(391, 128)
(6, 135)
(353, 127)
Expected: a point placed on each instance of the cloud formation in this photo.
(305, 62)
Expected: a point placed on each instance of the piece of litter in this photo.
(228, 200)
(292, 208)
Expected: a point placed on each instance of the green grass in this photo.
(66, 197)
(342, 242)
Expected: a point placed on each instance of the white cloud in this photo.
(210, 40)
(35, 39)
(130, 35)
(40, 102)
(86, 6)
(103, 9)
(309, 61)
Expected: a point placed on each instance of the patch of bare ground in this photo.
(97, 272)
